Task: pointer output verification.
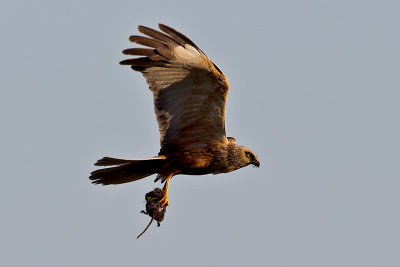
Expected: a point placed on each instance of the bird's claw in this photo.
(164, 201)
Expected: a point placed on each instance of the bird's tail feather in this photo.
(126, 170)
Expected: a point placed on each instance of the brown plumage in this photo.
(189, 102)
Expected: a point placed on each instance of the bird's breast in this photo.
(203, 161)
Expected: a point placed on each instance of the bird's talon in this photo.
(164, 202)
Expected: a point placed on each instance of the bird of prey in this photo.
(189, 93)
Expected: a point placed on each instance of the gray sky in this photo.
(314, 92)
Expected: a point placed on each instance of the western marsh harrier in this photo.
(189, 101)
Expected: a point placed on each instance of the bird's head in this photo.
(241, 156)
(250, 157)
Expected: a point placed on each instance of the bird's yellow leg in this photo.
(164, 200)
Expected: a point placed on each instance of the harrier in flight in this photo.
(189, 102)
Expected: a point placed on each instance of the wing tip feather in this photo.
(132, 38)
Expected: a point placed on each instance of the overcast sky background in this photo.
(314, 91)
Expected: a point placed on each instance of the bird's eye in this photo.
(249, 155)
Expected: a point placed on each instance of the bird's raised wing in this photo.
(189, 89)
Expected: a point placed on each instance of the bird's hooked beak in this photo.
(256, 163)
